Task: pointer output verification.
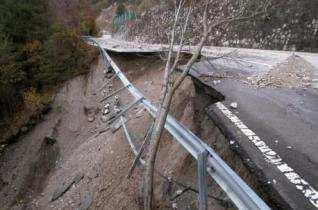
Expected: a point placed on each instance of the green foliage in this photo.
(23, 20)
(39, 48)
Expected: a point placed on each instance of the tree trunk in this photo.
(152, 153)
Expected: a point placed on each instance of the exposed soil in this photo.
(33, 169)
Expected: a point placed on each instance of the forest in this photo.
(41, 46)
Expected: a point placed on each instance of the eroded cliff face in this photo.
(287, 25)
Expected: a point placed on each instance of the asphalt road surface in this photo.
(274, 129)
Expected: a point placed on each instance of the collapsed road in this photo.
(273, 129)
(268, 116)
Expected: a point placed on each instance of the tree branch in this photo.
(181, 40)
(167, 67)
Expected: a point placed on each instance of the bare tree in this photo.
(171, 84)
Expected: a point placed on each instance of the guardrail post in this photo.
(114, 93)
(126, 109)
(202, 159)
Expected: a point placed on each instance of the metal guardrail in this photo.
(208, 160)
(121, 19)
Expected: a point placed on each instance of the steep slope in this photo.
(70, 151)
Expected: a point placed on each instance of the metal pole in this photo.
(113, 93)
(109, 81)
(202, 158)
(126, 109)
(141, 149)
(130, 141)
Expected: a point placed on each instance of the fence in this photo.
(208, 160)
(123, 18)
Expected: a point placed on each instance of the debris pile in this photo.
(294, 72)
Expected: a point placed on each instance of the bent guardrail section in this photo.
(208, 160)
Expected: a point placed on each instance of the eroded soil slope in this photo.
(97, 158)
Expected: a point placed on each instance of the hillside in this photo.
(279, 28)
(40, 47)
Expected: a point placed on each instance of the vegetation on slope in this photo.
(40, 46)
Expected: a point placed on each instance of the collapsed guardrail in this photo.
(208, 160)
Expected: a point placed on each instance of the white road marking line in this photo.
(272, 157)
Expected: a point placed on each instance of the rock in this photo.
(106, 111)
(179, 192)
(233, 105)
(116, 109)
(66, 186)
(106, 106)
(117, 101)
(86, 201)
(88, 111)
(104, 118)
(24, 129)
(49, 140)
(215, 82)
(2, 183)
(91, 119)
